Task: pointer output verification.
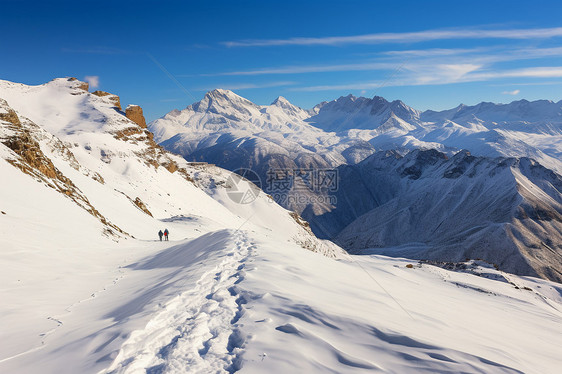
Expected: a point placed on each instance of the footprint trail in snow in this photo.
(197, 332)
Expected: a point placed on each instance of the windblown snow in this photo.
(87, 287)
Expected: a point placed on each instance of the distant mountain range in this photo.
(499, 199)
(350, 128)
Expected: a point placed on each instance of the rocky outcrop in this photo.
(114, 99)
(134, 113)
(142, 206)
(83, 85)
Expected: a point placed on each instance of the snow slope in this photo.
(86, 287)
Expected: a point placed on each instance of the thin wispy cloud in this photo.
(389, 60)
(434, 52)
(534, 72)
(442, 75)
(541, 83)
(429, 74)
(482, 55)
(406, 37)
(512, 93)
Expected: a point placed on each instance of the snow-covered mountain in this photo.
(223, 119)
(87, 287)
(519, 129)
(514, 140)
(350, 112)
(507, 211)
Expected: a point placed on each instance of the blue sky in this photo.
(165, 55)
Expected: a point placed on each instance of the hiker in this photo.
(160, 233)
(166, 234)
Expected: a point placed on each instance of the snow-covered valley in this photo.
(87, 287)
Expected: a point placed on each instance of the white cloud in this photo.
(534, 72)
(410, 59)
(407, 37)
(513, 93)
(430, 74)
(432, 52)
(93, 80)
(443, 74)
(542, 83)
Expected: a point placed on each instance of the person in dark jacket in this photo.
(160, 233)
(166, 234)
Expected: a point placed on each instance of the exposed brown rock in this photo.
(134, 113)
(185, 174)
(172, 166)
(298, 219)
(83, 85)
(113, 98)
(11, 116)
(98, 178)
(129, 133)
(138, 202)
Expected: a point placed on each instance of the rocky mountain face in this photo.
(393, 162)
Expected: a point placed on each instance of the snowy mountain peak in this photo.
(289, 109)
(281, 101)
(379, 99)
(222, 93)
(223, 98)
(224, 102)
(350, 112)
